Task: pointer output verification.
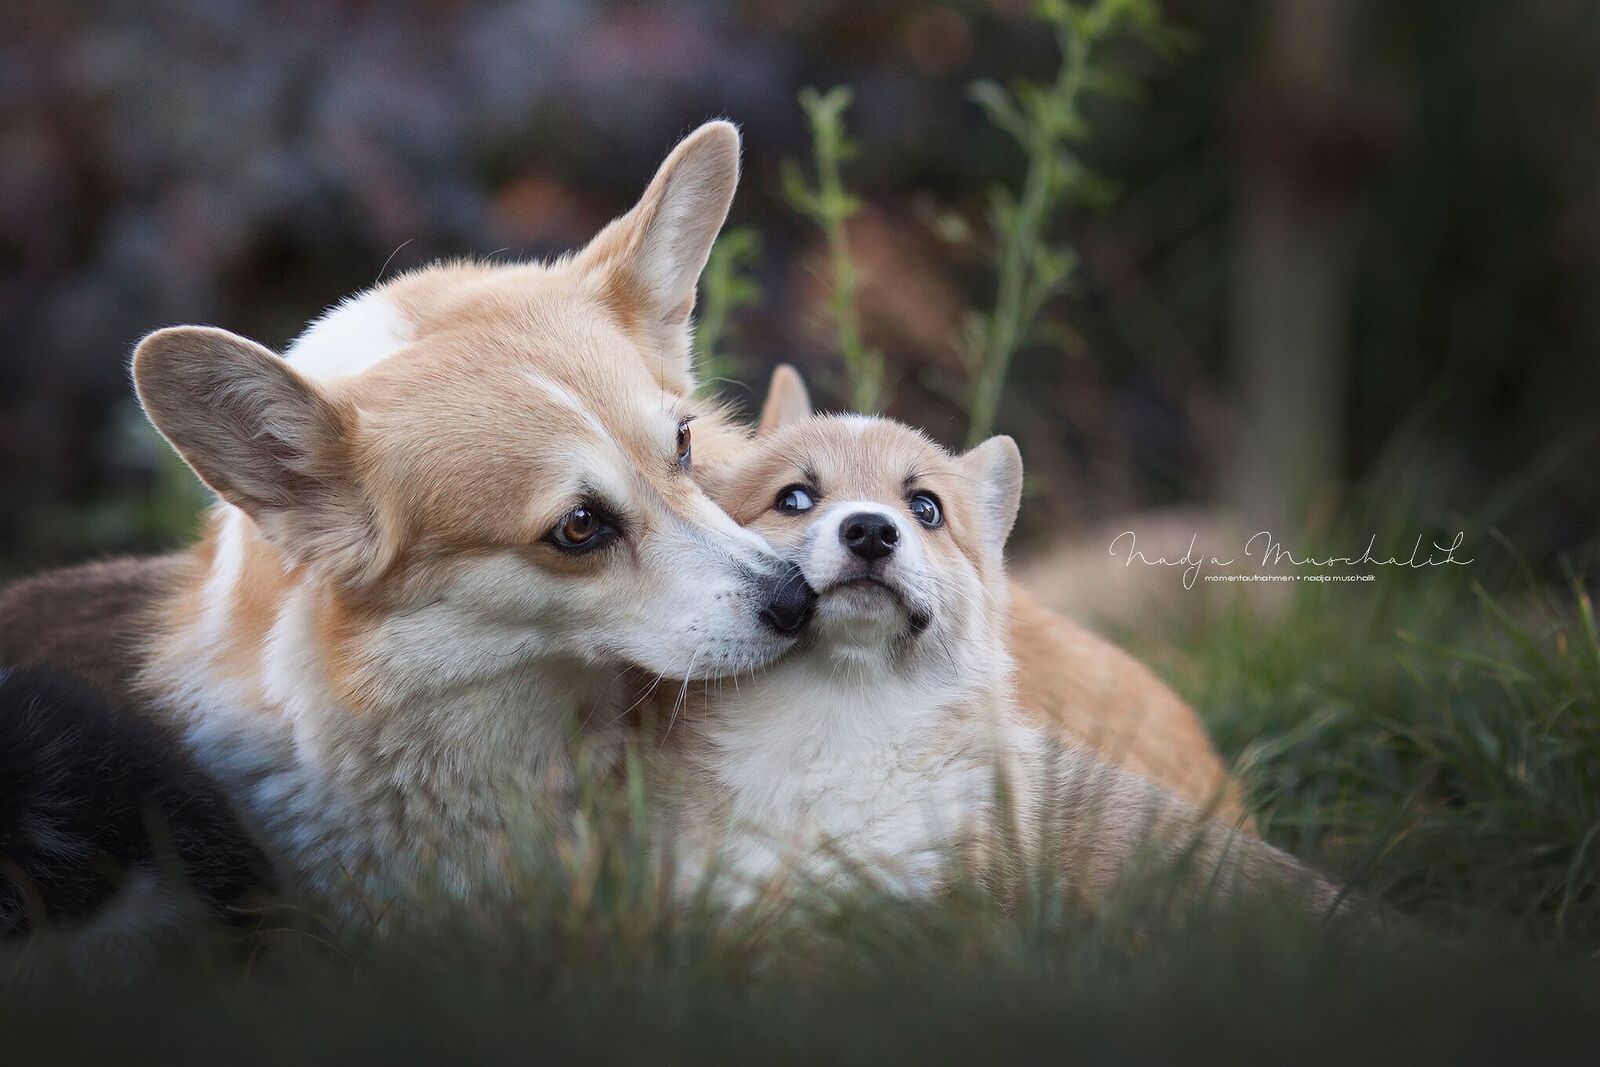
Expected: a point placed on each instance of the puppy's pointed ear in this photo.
(269, 441)
(787, 400)
(995, 470)
(648, 262)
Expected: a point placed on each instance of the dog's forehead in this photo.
(863, 455)
(535, 415)
(521, 374)
(521, 340)
(483, 420)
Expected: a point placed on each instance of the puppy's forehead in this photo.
(857, 453)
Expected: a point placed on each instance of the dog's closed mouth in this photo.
(863, 581)
(917, 619)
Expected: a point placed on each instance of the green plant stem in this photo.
(1014, 307)
(726, 287)
(830, 206)
(864, 365)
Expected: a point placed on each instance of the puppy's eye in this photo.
(685, 445)
(581, 529)
(795, 499)
(925, 509)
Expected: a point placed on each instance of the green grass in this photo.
(1438, 744)
(1435, 741)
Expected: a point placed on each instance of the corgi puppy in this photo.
(885, 741)
(1080, 685)
(450, 516)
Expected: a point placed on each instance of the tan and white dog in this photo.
(449, 517)
(891, 740)
(1083, 687)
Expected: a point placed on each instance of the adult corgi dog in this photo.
(1081, 685)
(450, 517)
(890, 741)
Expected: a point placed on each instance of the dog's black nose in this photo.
(789, 601)
(869, 534)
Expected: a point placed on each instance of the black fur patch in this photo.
(90, 793)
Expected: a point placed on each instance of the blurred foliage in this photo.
(247, 163)
(607, 980)
(1048, 124)
(726, 287)
(829, 206)
(161, 508)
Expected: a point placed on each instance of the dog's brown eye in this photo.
(579, 525)
(685, 447)
(581, 528)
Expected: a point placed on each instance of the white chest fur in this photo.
(842, 777)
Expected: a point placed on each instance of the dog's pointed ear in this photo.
(995, 470)
(269, 441)
(787, 400)
(648, 262)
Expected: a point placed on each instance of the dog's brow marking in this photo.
(563, 396)
(350, 338)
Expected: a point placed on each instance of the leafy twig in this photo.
(829, 205)
(1047, 122)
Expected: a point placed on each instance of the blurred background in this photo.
(1334, 250)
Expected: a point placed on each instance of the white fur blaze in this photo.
(226, 567)
(357, 334)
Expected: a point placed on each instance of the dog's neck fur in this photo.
(827, 708)
(830, 753)
(401, 774)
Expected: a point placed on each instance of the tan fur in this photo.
(1104, 699)
(1093, 691)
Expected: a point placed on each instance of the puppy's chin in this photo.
(858, 619)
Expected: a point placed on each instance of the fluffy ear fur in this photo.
(995, 467)
(648, 261)
(787, 400)
(269, 441)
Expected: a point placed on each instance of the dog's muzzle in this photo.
(789, 601)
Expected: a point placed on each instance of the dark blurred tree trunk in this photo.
(1290, 286)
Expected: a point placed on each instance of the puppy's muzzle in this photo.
(789, 600)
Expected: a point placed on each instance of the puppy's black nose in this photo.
(869, 534)
(789, 601)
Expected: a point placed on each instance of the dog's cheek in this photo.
(785, 535)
